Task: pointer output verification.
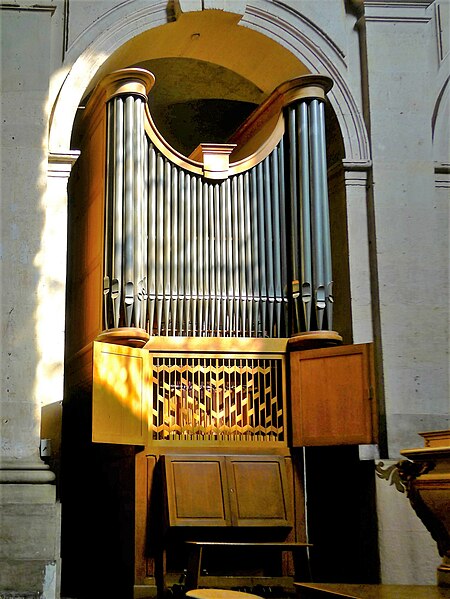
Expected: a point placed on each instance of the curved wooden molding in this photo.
(129, 336)
(167, 150)
(314, 339)
(248, 146)
(133, 81)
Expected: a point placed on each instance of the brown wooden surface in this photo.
(227, 491)
(331, 396)
(196, 491)
(370, 591)
(120, 398)
(143, 564)
(85, 284)
(219, 594)
(258, 491)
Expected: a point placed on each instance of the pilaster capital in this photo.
(356, 173)
(60, 163)
(397, 11)
(29, 5)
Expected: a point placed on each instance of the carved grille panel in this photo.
(218, 398)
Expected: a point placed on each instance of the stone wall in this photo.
(390, 64)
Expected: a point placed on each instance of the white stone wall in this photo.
(410, 224)
(30, 518)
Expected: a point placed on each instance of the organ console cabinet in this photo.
(333, 397)
(227, 490)
(197, 285)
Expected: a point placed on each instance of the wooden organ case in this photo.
(198, 286)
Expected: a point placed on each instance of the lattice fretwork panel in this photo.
(219, 398)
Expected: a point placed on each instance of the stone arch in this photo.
(440, 124)
(285, 26)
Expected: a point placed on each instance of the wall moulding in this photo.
(284, 25)
(29, 5)
(397, 12)
(321, 55)
(60, 164)
(234, 6)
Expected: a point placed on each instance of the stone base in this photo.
(29, 541)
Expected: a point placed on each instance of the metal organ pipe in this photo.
(309, 196)
(305, 211)
(245, 256)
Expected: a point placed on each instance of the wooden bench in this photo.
(196, 553)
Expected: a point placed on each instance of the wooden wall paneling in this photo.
(332, 396)
(87, 234)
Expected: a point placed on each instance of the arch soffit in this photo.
(283, 24)
(440, 124)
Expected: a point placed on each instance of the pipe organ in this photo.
(195, 282)
(241, 252)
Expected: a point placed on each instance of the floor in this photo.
(364, 591)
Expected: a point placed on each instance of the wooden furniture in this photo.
(426, 476)
(369, 591)
(219, 594)
(187, 275)
(197, 550)
(190, 390)
(227, 491)
(332, 396)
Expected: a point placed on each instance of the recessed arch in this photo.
(269, 51)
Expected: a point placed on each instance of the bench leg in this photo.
(194, 566)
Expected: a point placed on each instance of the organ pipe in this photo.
(243, 254)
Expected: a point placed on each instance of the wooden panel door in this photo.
(196, 490)
(121, 395)
(332, 399)
(258, 491)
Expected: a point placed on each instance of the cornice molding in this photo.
(397, 11)
(29, 5)
(60, 163)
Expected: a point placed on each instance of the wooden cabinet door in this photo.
(227, 490)
(332, 399)
(121, 395)
(196, 489)
(258, 491)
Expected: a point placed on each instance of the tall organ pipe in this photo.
(311, 258)
(326, 216)
(246, 256)
(305, 211)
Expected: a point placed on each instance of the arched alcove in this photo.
(281, 47)
(195, 75)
